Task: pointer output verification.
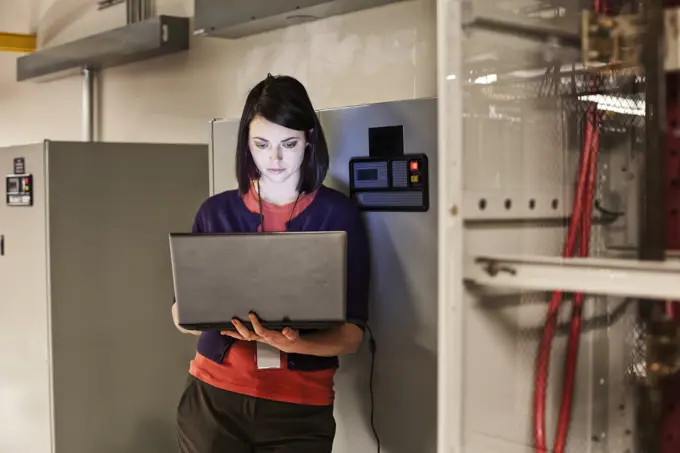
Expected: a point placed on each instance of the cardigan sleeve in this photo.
(358, 269)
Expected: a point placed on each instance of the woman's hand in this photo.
(287, 340)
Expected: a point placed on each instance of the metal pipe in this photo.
(652, 240)
(147, 9)
(533, 32)
(88, 104)
(652, 212)
(129, 9)
(138, 10)
(133, 11)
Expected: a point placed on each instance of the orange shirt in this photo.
(238, 372)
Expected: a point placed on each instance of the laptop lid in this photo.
(292, 279)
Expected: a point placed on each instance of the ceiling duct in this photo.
(239, 18)
(151, 38)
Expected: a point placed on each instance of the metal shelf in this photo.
(600, 276)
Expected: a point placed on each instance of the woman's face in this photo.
(277, 151)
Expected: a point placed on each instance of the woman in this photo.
(231, 405)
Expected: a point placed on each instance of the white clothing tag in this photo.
(268, 357)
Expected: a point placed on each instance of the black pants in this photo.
(212, 420)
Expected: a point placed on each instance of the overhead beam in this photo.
(16, 42)
(155, 37)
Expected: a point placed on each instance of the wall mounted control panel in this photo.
(19, 185)
(398, 183)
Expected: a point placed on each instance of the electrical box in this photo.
(19, 189)
(19, 184)
(390, 184)
(238, 18)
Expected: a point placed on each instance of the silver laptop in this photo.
(295, 279)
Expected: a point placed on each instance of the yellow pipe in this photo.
(16, 42)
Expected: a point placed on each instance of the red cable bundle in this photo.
(580, 219)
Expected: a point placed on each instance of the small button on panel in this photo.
(415, 173)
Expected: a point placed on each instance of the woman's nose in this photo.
(276, 154)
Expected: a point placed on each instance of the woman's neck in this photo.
(278, 194)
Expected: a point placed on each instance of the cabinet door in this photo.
(24, 346)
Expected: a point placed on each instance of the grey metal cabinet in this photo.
(90, 360)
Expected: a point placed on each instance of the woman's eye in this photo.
(261, 145)
(290, 145)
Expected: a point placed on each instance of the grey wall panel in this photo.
(404, 284)
(119, 363)
(24, 344)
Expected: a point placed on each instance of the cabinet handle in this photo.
(2, 245)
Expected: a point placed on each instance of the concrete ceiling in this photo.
(46, 18)
(18, 16)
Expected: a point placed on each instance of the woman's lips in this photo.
(276, 171)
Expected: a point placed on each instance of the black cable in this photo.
(608, 212)
(372, 346)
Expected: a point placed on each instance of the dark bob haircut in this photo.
(284, 101)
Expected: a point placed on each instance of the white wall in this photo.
(382, 54)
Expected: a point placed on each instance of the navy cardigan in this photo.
(329, 211)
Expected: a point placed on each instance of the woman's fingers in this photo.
(232, 334)
(244, 332)
(257, 326)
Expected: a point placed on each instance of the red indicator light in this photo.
(414, 165)
(25, 180)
